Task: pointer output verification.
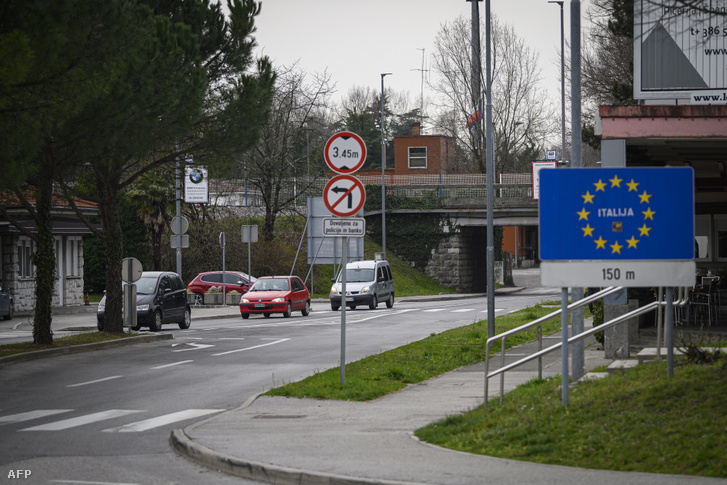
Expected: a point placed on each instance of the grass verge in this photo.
(636, 421)
(69, 341)
(390, 371)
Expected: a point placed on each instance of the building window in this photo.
(720, 228)
(72, 256)
(26, 247)
(417, 157)
(702, 236)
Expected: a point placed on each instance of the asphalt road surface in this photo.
(104, 417)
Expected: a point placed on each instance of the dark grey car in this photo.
(161, 297)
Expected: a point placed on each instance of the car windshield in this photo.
(271, 284)
(358, 275)
(146, 285)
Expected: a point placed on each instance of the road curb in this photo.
(263, 472)
(75, 349)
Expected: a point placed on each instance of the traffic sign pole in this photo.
(344, 258)
(344, 196)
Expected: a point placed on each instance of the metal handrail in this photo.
(587, 333)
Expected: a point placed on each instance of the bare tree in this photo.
(523, 116)
(297, 119)
(608, 54)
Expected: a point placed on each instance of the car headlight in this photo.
(101, 307)
(142, 308)
(365, 289)
(278, 300)
(334, 290)
(244, 300)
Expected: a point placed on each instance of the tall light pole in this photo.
(562, 80)
(576, 156)
(383, 168)
(490, 164)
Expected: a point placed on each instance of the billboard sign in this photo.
(537, 167)
(680, 50)
(196, 185)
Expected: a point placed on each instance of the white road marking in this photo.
(171, 365)
(253, 347)
(194, 347)
(81, 420)
(27, 416)
(462, 310)
(432, 310)
(94, 382)
(162, 420)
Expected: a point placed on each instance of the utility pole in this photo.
(577, 320)
(383, 169)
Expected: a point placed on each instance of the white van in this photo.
(367, 283)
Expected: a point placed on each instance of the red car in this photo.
(276, 294)
(234, 280)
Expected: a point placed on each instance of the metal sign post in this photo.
(224, 278)
(344, 257)
(344, 196)
(249, 235)
(131, 270)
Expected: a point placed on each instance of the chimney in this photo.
(416, 129)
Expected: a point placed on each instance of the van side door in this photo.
(383, 283)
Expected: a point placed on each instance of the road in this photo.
(105, 416)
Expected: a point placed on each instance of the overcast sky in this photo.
(358, 40)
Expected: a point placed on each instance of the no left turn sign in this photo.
(345, 152)
(344, 195)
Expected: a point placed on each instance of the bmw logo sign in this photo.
(196, 176)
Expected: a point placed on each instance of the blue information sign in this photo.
(617, 214)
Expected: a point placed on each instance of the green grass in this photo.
(380, 374)
(69, 341)
(637, 421)
(407, 280)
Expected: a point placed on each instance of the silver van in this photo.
(367, 283)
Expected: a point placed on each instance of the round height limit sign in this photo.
(345, 152)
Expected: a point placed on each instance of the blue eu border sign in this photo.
(617, 226)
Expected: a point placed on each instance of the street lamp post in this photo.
(562, 80)
(383, 169)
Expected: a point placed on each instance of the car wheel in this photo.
(306, 311)
(374, 303)
(156, 322)
(99, 325)
(390, 301)
(335, 307)
(11, 310)
(288, 310)
(198, 299)
(266, 315)
(245, 316)
(353, 307)
(184, 324)
(136, 327)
